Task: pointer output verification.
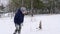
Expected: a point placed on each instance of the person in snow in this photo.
(18, 19)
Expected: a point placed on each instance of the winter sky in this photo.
(4, 2)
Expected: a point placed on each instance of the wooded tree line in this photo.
(39, 6)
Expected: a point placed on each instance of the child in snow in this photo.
(18, 19)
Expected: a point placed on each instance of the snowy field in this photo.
(50, 25)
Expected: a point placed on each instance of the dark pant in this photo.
(18, 29)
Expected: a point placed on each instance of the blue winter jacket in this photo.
(19, 17)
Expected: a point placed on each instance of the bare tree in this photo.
(32, 7)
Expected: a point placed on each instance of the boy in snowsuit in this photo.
(18, 19)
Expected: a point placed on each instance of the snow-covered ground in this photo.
(50, 25)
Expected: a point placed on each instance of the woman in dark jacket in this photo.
(18, 20)
(19, 17)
